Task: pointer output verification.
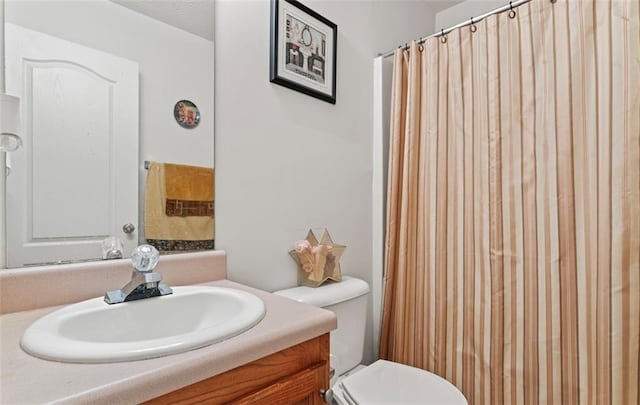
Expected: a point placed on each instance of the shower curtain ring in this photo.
(512, 12)
(473, 27)
(443, 38)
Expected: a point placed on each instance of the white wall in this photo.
(286, 162)
(464, 11)
(174, 65)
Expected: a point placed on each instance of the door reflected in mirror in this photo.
(98, 81)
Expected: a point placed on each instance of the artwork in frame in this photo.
(303, 50)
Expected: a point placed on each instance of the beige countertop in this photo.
(29, 380)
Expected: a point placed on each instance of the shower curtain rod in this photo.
(472, 20)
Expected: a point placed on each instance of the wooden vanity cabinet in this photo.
(292, 376)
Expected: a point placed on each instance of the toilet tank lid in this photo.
(328, 294)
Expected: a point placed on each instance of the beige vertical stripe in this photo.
(495, 215)
(631, 24)
(505, 254)
(459, 192)
(588, 59)
(548, 237)
(634, 124)
(582, 199)
(566, 206)
(422, 211)
(452, 202)
(603, 80)
(441, 213)
(529, 233)
(507, 135)
(619, 231)
(552, 237)
(486, 292)
(469, 232)
(541, 202)
(430, 53)
(517, 203)
(482, 296)
(413, 158)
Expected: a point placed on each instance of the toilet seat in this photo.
(385, 383)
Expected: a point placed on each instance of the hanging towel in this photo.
(189, 190)
(179, 202)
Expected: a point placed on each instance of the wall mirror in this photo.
(98, 82)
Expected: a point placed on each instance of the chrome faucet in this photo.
(145, 283)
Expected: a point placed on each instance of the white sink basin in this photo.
(95, 332)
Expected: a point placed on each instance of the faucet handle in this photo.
(145, 258)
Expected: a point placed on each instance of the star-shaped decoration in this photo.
(318, 261)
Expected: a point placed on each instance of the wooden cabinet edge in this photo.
(300, 388)
(284, 376)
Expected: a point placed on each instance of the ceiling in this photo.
(194, 16)
(439, 5)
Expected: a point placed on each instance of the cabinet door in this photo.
(302, 388)
(289, 377)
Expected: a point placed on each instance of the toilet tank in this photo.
(348, 300)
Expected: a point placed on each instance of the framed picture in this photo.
(303, 50)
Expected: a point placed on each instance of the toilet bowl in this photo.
(386, 382)
(383, 382)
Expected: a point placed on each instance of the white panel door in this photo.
(75, 181)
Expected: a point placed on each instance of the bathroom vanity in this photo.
(282, 359)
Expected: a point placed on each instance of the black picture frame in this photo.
(303, 50)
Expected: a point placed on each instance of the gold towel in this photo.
(189, 190)
(191, 183)
(178, 232)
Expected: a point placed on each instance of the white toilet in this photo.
(383, 382)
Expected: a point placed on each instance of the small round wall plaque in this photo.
(186, 114)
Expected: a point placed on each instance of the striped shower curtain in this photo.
(513, 224)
